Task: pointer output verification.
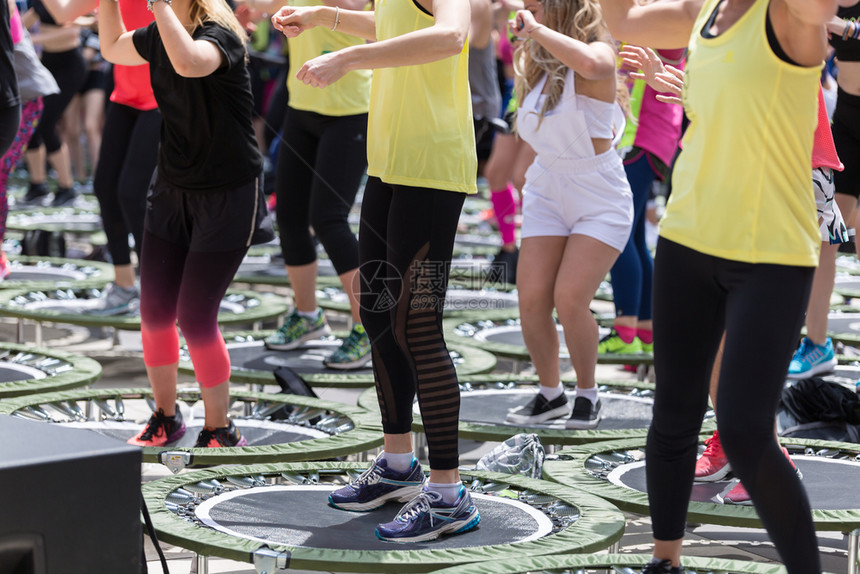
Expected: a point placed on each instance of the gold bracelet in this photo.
(336, 18)
(529, 32)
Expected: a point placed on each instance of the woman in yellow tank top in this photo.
(740, 222)
(421, 164)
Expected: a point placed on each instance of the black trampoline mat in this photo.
(32, 273)
(848, 282)
(83, 305)
(257, 433)
(276, 269)
(828, 482)
(307, 359)
(844, 323)
(466, 300)
(300, 516)
(492, 406)
(10, 373)
(513, 335)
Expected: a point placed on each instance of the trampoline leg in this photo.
(37, 333)
(199, 564)
(419, 445)
(115, 338)
(20, 334)
(642, 372)
(853, 545)
(257, 326)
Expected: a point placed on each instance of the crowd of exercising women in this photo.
(408, 92)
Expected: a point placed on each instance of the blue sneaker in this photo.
(377, 485)
(427, 517)
(811, 359)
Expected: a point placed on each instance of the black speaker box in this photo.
(69, 501)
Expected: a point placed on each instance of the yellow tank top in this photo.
(742, 185)
(420, 130)
(348, 96)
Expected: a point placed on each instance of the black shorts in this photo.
(483, 137)
(846, 136)
(209, 221)
(94, 80)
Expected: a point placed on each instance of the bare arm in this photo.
(594, 61)
(115, 42)
(293, 21)
(661, 25)
(68, 10)
(800, 27)
(482, 24)
(190, 58)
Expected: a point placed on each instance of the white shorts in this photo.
(831, 224)
(588, 196)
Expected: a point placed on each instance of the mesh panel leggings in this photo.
(127, 160)
(761, 308)
(405, 244)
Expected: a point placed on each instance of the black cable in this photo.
(148, 521)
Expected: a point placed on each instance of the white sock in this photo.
(400, 462)
(551, 393)
(590, 394)
(449, 492)
(310, 316)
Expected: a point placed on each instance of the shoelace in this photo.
(805, 347)
(156, 423)
(417, 505)
(205, 437)
(352, 339)
(370, 476)
(711, 445)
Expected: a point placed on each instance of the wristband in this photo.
(149, 3)
(849, 27)
(336, 18)
(529, 32)
(856, 33)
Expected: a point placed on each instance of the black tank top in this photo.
(44, 16)
(847, 50)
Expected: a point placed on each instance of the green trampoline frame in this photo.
(599, 526)
(83, 371)
(102, 273)
(13, 222)
(363, 437)
(476, 361)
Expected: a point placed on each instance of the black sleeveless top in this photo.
(847, 50)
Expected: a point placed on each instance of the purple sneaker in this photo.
(377, 485)
(160, 430)
(427, 517)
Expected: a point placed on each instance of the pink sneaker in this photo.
(739, 495)
(713, 464)
(4, 267)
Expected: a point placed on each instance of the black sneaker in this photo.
(657, 566)
(539, 410)
(35, 194)
(585, 415)
(215, 438)
(64, 196)
(504, 267)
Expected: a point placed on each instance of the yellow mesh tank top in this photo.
(420, 130)
(348, 96)
(742, 185)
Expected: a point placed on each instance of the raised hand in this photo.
(292, 20)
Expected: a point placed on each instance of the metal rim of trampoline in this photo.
(22, 220)
(599, 524)
(475, 361)
(568, 466)
(363, 436)
(64, 370)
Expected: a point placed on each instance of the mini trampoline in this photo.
(615, 470)
(27, 370)
(69, 305)
(278, 427)
(605, 563)
(51, 272)
(262, 268)
(277, 516)
(486, 399)
(844, 328)
(505, 338)
(253, 363)
(62, 219)
(459, 302)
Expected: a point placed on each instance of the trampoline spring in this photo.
(247, 481)
(174, 508)
(105, 408)
(477, 485)
(264, 409)
(180, 498)
(38, 412)
(828, 452)
(63, 407)
(329, 420)
(305, 414)
(536, 499)
(204, 488)
(563, 509)
(295, 478)
(809, 451)
(494, 487)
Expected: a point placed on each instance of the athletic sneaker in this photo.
(585, 414)
(713, 464)
(539, 410)
(377, 485)
(116, 300)
(353, 353)
(296, 331)
(4, 267)
(811, 359)
(647, 347)
(504, 267)
(614, 344)
(216, 438)
(160, 430)
(739, 495)
(35, 195)
(64, 196)
(427, 517)
(657, 566)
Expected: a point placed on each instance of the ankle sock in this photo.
(590, 394)
(627, 334)
(449, 492)
(645, 335)
(505, 208)
(552, 393)
(310, 316)
(399, 462)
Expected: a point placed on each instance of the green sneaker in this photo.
(613, 344)
(296, 331)
(354, 353)
(647, 347)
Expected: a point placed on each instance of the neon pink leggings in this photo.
(30, 114)
(177, 284)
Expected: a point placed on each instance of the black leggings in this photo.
(70, 71)
(761, 309)
(405, 246)
(10, 118)
(321, 160)
(127, 161)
